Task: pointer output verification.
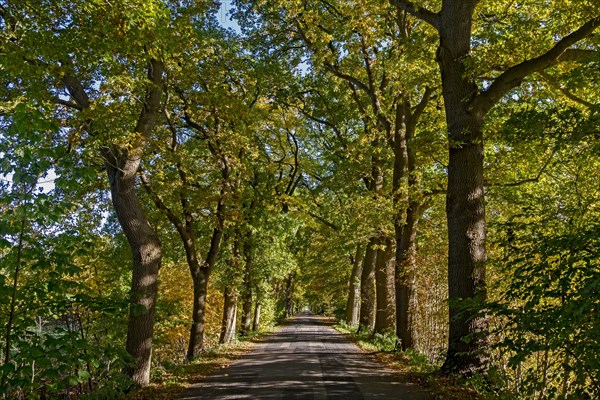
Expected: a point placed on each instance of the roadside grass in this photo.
(413, 367)
(170, 379)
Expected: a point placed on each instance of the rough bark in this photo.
(246, 322)
(288, 293)
(230, 300)
(121, 164)
(353, 303)
(256, 320)
(121, 167)
(385, 315)
(465, 207)
(196, 341)
(466, 108)
(367, 287)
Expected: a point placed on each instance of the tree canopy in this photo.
(426, 172)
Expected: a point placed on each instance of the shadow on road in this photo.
(305, 359)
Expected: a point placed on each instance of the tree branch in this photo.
(523, 181)
(420, 108)
(76, 90)
(323, 221)
(553, 83)
(335, 71)
(421, 13)
(67, 103)
(579, 55)
(162, 206)
(513, 76)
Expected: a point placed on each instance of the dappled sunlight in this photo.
(305, 359)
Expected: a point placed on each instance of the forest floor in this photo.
(306, 358)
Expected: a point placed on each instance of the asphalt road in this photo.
(305, 359)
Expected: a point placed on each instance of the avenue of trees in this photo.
(425, 171)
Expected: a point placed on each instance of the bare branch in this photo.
(371, 92)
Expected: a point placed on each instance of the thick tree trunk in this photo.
(246, 322)
(229, 316)
(353, 303)
(256, 321)
(196, 342)
(200, 276)
(409, 211)
(406, 301)
(385, 315)
(121, 164)
(465, 198)
(121, 167)
(367, 287)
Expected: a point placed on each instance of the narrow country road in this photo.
(305, 359)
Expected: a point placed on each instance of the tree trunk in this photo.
(247, 291)
(385, 316)
(465, 198)
(289, 292)
(246, 322)
(13, 297)
(406, 301)
(229, 316)
(353, 303)
(196, 342)
(409, 210)
(121, 167)
(367, 287)
(256, 321)
(200, 275)
(122, 164)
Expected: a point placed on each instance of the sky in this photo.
(224, 17)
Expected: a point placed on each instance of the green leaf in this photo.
(84, 375)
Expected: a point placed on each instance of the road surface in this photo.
(305, 359)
